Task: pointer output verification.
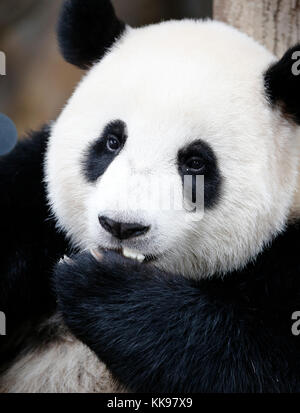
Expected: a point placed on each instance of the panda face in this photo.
(169, 100)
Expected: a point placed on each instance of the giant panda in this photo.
(102, 298)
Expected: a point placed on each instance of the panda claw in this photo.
(66, 260)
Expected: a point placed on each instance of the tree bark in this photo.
(273, 23)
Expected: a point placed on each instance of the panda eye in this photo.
(113, 143)
(194, 165)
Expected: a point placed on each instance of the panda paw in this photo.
(95, 272)
(96, 280)
(125, 311)
(99, 294)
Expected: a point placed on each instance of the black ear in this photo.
(86, 29)
(282, 83)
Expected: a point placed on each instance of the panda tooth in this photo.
(133, 255)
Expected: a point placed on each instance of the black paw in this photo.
(98, 294)
(76, 277)
(135, 318)
(92, 270)
(97, 280)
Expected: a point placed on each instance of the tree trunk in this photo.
(273, 23)
(141, 12)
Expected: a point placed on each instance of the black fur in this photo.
(210, 170)
(86, 30)
(98, 157)
(282, 85)
(162, 333)
(30, 244)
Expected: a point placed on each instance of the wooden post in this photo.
(273, 23)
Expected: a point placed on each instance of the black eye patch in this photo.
(199, 159)
(101, 153)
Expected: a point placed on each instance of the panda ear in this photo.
(282, 83)
(86, 30)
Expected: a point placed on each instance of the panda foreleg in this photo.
(156, 332)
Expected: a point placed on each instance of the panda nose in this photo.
(122, 230)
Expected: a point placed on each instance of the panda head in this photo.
(166, 100)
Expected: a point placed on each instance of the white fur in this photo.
(173, 83)
(63, 366)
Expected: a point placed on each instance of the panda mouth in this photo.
(133, 255)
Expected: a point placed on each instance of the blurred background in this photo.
(38, 81)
